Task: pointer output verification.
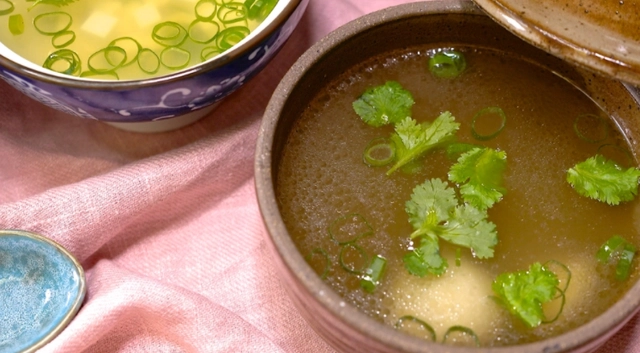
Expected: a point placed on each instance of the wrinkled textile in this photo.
(167, 225)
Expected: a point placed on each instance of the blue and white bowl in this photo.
(161, 103)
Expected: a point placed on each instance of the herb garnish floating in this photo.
(480, 173)
(604, 180)
(434, 213)
(382, 105)
(620, 252)
(413, 140)
(524, 292)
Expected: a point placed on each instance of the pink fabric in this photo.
(166, 225)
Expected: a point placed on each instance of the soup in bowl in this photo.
(428, 184)
(153, 65)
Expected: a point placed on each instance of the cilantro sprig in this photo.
(413, 140)
(435, 214)
(603, 180)
(385, 104)
(524, 292)
(480, 172)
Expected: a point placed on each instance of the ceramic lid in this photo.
(601, 35)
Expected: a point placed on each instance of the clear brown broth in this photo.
(322, 176)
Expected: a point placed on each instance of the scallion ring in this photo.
(423, 325)
(564, 299)
(620, 155)
(107, 60)
(447, 63)
(16, 24)
(379, 152)
(7, 8)
(206, 10)
(63, 39)
(373, 274)
(261, 9)
(464, 330)
(233, 13)
(175, 58)
(591, 128)
(349, 228)
(52, 23)
(209, 52)
(484, 114)
(549, 266)
(148, 61)
(64, 61)
(231, 36)
(203, 31)
(350, 264)
(169, 34)
(324, 256)
(130, 46)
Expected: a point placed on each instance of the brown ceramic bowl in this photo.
(340, 324)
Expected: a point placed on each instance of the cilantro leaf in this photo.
(434, 213)
(524, 292)
(425, 258)
(603, 180)
(480, 169)
(382, 105)
(413, 139)
(468, 227)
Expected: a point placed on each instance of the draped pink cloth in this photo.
(167, 225)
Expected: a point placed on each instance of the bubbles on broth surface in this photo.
(322, 177)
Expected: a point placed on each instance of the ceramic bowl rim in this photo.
(217, 62)
(82, 286)
(588, 336)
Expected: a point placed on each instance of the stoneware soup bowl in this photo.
(342, 325)
(160, 103)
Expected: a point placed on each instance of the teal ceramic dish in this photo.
(42, 286)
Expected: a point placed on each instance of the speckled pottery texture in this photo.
(159, 98)
(601, 35)
(340, 324)
(41, 289)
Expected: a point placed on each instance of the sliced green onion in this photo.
(447, 63)
(554, 266)
(107, 59)
(6, 7)
(373, 273)
(353, 259)
(379, 152)
(209, 52)
(261, 9)
(401, 324)
(324, 257)
(231, 36)
(175, 58)
(169, 34)
(64, 61)
(620, 155)
(463, 330)
(16, 24)
(201, 31)
(148, 61)
(206, 9)
(51, 23)
(620, 251)
(454, 150)
(591, 128)
(233, 13)
(63, 39)
(458, 257)
(483, 115)
(349, 228)
(130, 46)
(564, 299)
